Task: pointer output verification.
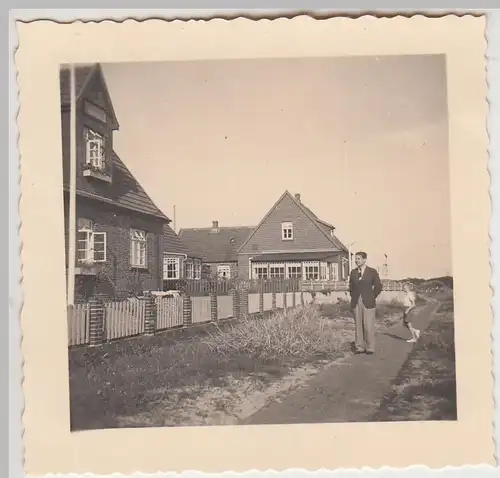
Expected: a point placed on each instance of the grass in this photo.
(132, 377)
(296, 333)
(155, 380)
(425, 388)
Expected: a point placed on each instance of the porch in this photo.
(312, 266)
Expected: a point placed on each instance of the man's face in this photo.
(359, 260)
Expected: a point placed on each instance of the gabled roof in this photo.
(172, 243)
(83, 75)
(318, 222)
(215, 245)
(125, 191)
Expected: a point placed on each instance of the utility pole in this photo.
(72, 193)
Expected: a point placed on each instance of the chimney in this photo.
(297, 196)
(215, 225)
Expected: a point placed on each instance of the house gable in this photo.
(123, 190)
(90, 85)
(308, 233)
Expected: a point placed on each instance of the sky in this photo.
(364, 140)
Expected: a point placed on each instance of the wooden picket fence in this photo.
(78, 325)
(169, 312)
(124, 318)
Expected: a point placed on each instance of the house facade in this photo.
(178, 261)
(217, 247)
(292, 242)
(119, 230)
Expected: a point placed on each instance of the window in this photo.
(259, 271)
(90, 245)
(294, 271)
(171, 268)
(335, 271)
(277, 270)
(197, 269)
(224, 272)
(323, 269)
(311, 270)
(189, 270)
(138, 248)
(286, 231)
(95, 111)
(95, 156)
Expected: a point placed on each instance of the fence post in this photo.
(244, 301)
(302, 301)
(285, 304)
(151, 315)
(261, 300)
(213, 306)
(187, 310)
(294, 299)
(273, 299)
(235, 293)
(96, 321)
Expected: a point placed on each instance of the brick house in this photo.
(217, 247)
(178, 261)
(119, 233)
(291, 241)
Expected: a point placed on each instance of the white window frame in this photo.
(197, 269)
(335, 271)
(287, 231)
(224, 272)
(307, 274)
(297, 274)
(138, 248)
(189, 265)
(323, 271)
(175, 272)
(276, 265)
(95, 149)
(260, 270)
(93, 244)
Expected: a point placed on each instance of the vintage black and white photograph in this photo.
(258, 241)
(247, 243)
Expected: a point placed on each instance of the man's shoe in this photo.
(359, 351)
(370, 352)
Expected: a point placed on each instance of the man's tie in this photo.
(360, 274)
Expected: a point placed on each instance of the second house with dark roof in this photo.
(120, 231)
(292, 242)
(217, 247)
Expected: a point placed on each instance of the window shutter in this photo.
(99, 240)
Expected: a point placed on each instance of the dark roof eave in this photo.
(120, 206)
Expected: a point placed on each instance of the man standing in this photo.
(364, 287)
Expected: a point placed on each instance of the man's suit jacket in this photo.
(368, 287)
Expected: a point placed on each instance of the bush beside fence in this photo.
(98, 321)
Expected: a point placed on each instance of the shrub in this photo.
(297, 333)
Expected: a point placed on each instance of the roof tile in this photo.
(219, 245)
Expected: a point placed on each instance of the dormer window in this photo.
(95, 112)
(286, 231)
(96, 151)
